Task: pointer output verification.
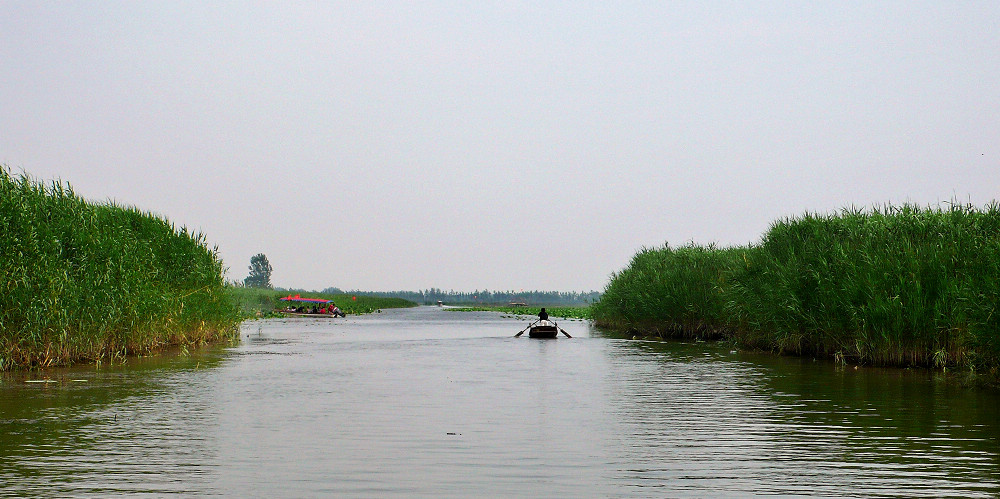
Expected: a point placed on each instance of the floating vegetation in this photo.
(888, 286)
(564, 312)
(99, 282)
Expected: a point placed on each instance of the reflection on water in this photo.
(702, 418)
(430, 403)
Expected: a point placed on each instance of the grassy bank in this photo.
(900, 286)
(97, 282)
(258, 302)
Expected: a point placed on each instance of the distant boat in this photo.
(317, 315)
(329, 308)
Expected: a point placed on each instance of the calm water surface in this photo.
(429, 403)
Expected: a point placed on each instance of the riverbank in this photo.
(259, 302)
(89, 282)
(892, 286)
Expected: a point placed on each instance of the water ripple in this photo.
(417, 404)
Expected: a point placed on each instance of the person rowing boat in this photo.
(543, 327)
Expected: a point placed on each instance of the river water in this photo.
(430, 403)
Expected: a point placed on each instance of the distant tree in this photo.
(260, 272)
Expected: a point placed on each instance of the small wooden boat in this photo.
(317, 315)
(543, 329)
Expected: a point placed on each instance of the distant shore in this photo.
(581, 312)
(259, 302)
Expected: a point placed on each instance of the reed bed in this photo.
(893, 285)
(98, 282)
(670, 292)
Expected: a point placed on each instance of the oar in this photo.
(525, 329)
(564, 332)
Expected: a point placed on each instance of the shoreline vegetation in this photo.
(891, 286)
(262, 302)
(87, 282)
(485, 297)
(899, 286)
(560, 312)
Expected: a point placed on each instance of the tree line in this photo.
(431, 296)
(260, 277)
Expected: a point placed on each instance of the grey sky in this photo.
(501, 145)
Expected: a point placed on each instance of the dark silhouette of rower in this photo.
(543, 315)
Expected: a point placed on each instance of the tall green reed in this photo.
(671, 292)
(893, 285)
(88, 281)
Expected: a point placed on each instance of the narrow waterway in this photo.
(429, 403)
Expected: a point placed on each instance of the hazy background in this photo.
(500, 145)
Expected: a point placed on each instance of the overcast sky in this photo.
(497, 145)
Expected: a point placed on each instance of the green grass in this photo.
(888, 286)
(98, 282)
(258, 302)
